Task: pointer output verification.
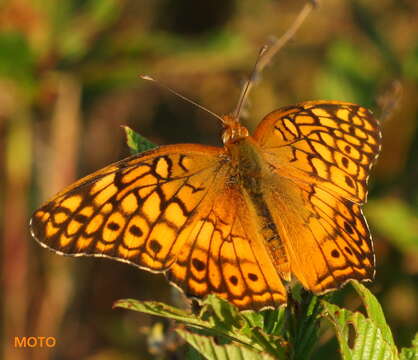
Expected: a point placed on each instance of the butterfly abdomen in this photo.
(254, 178)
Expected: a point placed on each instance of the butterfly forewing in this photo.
(138, 210)
(332, 144)
(167, 209)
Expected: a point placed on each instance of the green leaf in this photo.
(136, 142)
(359, 337)
(374, 311)
(217, 318)
(412, 352)
(304, 328)
(210, 350)
(166, 311)
(248, 323)
(274, 320)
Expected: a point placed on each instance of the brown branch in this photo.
(267, 53)
(271, 51)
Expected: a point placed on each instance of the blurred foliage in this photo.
(68, 80)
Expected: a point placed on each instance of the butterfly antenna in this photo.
(267, 53)
(248, 84)
(163, 86)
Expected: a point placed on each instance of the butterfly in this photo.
(238, 221)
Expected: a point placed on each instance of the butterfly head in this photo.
(232, 130)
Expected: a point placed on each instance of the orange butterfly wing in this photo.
(139, 210)
(330, 143)
(168, 208)
(191, 211)
(226, 256)
(324, 151)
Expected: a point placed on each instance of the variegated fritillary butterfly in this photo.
(234, 221)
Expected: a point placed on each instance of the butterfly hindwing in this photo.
(327, 239)
(225, 256)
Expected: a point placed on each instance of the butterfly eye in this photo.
(233, 132)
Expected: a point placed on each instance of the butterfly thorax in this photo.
(233, 130)
(247, 163)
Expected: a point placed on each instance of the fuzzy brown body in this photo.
(253, 174)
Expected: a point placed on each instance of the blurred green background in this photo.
(68, 80)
